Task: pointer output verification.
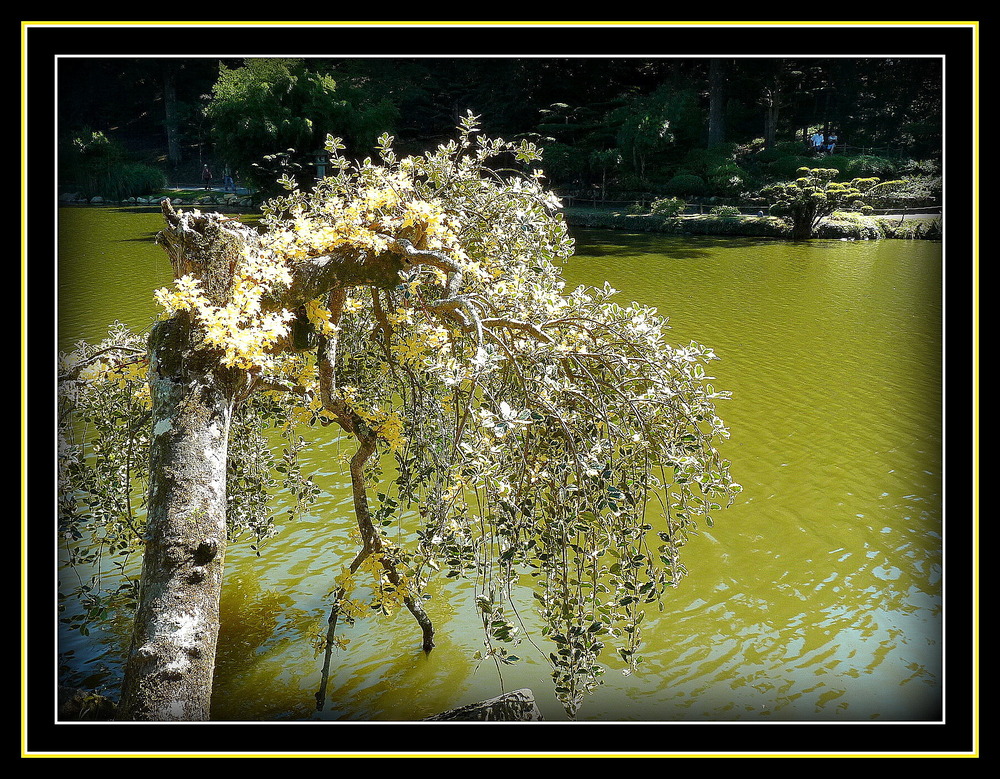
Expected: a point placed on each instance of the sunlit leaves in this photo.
(531, 435)
(815, 195)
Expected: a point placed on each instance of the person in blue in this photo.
(227, 183)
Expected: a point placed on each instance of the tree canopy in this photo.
(814, 194)
(519, 432)
(629, 124)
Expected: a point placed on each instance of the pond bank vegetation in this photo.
(840, 225)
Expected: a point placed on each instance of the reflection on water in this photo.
(816, 597)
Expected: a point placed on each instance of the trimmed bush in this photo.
(667, 206)
(685, 184)
(787, 167)
(839, 162)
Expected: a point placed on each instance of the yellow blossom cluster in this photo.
(132, 375)
(421, 345)
(320, 316)
(385, 206)
(241, 329)
(454, 494)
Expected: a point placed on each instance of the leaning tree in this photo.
(529, 432)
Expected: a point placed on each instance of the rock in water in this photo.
(516, 706)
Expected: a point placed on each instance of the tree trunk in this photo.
(171, 123)
(718, 79)
(771, 109)
(171, 659)
(168, 672)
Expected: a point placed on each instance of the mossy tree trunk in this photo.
(171, 660)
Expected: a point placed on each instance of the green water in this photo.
(817, 597)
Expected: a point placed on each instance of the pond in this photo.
(817, 597)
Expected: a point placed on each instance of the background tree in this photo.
(718, 86)
(100, 166)
(651, 124)
(890, 107)
(536, 433)
(259, 108)
(815, 195)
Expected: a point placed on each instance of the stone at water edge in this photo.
(516, 706)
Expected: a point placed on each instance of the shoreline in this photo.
(844, 226)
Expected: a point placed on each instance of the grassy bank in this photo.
(849, 226)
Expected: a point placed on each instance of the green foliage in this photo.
(871, 165)
(269, 108)
(648, 125)
(779, 151)
(528, 434)
(564, 162)
(915, 191)
(728, 179)
(667, 206)
(687, 184)
(271, 169)
(884, 194)
(725, 211)
(98, 166)
(840, 162)
(787, 167)
(814, 195)
(921, 168)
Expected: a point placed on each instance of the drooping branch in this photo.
(452, 305)
(373, 541)
(516, 324)
(371, 544)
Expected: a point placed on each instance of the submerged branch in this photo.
(371, 544)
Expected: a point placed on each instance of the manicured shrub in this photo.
(685, 184)
(728, 179)
(668, 206)
(786, 167)
(839, 162)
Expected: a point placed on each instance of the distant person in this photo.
(817, 141)
(227, 183)
(206, 177)
(831, 143)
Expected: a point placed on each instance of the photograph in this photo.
(499, 389)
